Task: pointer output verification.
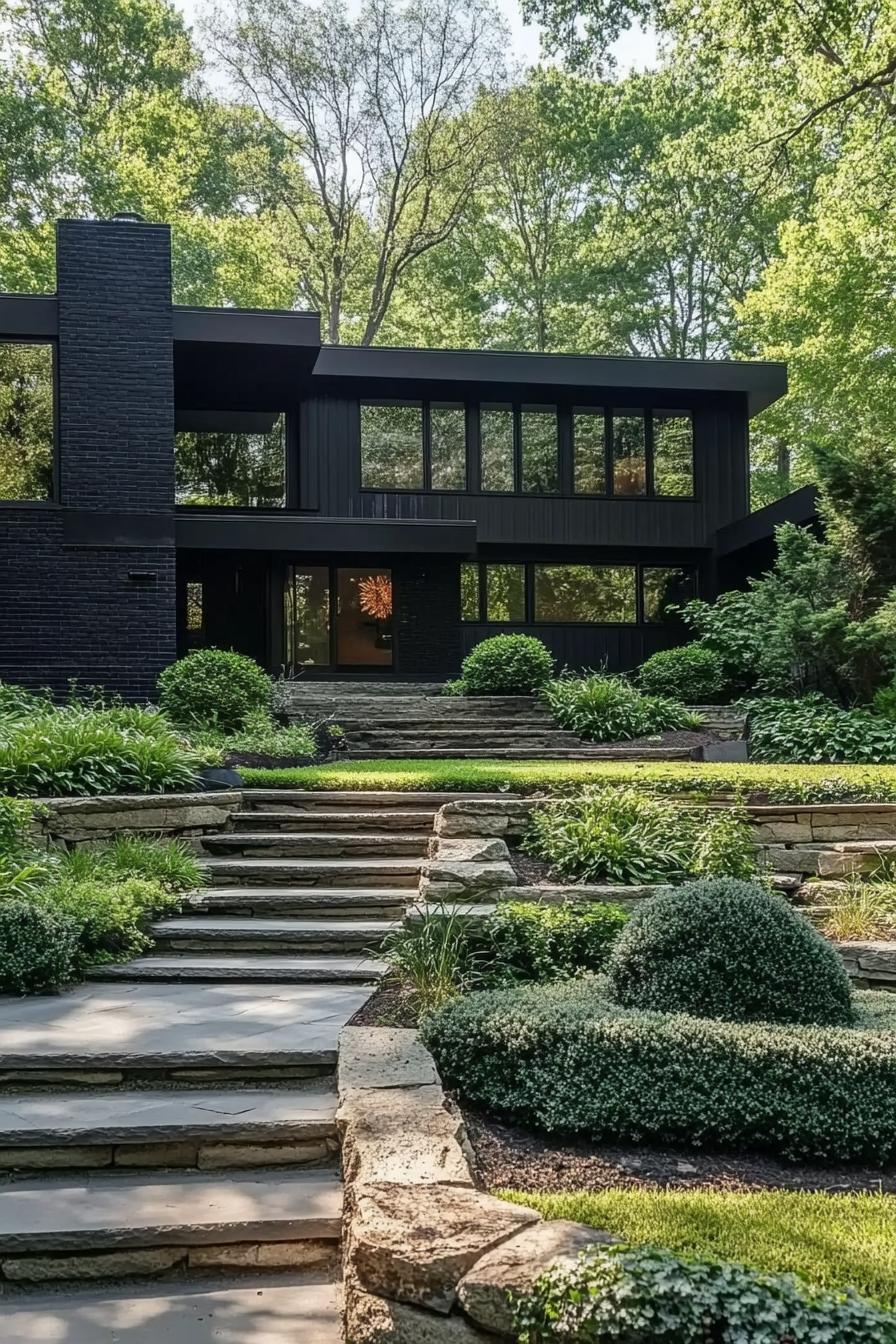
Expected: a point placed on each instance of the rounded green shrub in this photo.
(728, 949)
(507, 665)
(38, 947)
(692, 673)
(215, 687)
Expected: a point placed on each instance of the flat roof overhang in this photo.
(800, 507)
(762, 383)
(209, 531)
(24, 316)
(247, 359)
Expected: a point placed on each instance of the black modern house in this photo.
(172, 477)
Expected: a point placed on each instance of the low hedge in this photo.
(564, 1059)
(624, 1295)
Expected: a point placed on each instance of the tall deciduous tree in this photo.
(375, 113)
(102, 108)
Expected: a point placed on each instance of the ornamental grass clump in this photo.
(79, 751)
(621, 835)
(603, 708)
(732, 950)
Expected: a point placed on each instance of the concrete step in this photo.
(317, 844)
(259, 1309)
(362, 872)
(249, 968)
(326, 902)
(305, 801)
(287, 935)
(110, 1034)
(344, 819)
(204, 1130)
(103, 1225)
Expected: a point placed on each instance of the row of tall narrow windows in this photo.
(416, 446)
(426, 446)
(564, 594)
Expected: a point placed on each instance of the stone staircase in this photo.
(168, 1146)
(399, 720)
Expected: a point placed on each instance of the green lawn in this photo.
(833, 1241)
(783, 782)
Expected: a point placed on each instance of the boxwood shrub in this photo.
(626, 1295)
(214, 687)
(691, 672)
(565, 1059)
(506, 665)
(728, 949)
(38, 947)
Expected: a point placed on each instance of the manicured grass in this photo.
(782, 782)
(833, 1241)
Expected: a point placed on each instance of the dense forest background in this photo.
(380, 162)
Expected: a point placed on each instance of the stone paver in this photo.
(254, 1311)
(247, 968)
(132, 1116)
(106, 1211)
(138, 1023)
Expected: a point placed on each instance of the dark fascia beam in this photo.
(226, 422)
(800, 507)
(208, 530)
(761, 382)
(29, 317)
(246, 326)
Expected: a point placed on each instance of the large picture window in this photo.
(597, 594)
(496, 449)
(391, 446)
(540, 450)
(26, 421)
(673, 453)
(243, 467)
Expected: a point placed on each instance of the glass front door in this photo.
(337, 616)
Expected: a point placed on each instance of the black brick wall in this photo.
(427, 617)
(76, 610)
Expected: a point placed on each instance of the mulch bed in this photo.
(673, 737)
(512, 1157)
(389, 1006)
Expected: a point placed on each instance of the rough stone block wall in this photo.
(77, 601)
(427, 617)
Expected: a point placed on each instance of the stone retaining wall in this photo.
(73, 821)
(427, 1257)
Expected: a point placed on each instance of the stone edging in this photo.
(427, 1257)
(63, 821)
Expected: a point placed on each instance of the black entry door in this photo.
(338, 616)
